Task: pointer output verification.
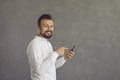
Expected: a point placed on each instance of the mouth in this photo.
(48, 32)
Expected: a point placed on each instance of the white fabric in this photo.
(42, 59)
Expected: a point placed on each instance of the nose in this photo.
(49, 28)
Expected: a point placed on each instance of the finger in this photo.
(70, 55)
(66, 50)
(71, 52)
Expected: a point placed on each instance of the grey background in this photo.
(93, 25)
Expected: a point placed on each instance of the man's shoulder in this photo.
(34, 45)
(35, 42)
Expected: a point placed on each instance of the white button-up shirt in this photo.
(42, 59)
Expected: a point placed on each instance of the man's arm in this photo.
(59, 62)
(40, 67)
(62, 60)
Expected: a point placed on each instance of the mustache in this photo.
(48, 31)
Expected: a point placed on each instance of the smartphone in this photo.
(73, 48)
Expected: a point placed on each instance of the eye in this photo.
(45, 26)
(52, 26)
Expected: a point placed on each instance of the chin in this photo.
(48, 37)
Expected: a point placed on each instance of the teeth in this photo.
(49, 32)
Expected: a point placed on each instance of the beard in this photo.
(47, 34)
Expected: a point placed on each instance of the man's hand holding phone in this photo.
(69, 54)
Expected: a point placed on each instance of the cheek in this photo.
(43, 30)
(52, 29)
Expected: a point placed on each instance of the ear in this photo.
(39, 27)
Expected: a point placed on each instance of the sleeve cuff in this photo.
(63, 60)
(55, 55)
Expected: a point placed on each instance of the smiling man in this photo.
(42, 59)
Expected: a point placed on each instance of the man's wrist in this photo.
(55, 54)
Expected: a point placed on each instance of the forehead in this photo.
(47, 21)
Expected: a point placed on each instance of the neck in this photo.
(41, 36)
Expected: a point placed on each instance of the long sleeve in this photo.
(60, 62)
(41, 69)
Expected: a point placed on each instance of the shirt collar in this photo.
(42, 38)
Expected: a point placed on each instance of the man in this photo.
(42, 59)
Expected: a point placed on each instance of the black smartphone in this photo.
(73, 48)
